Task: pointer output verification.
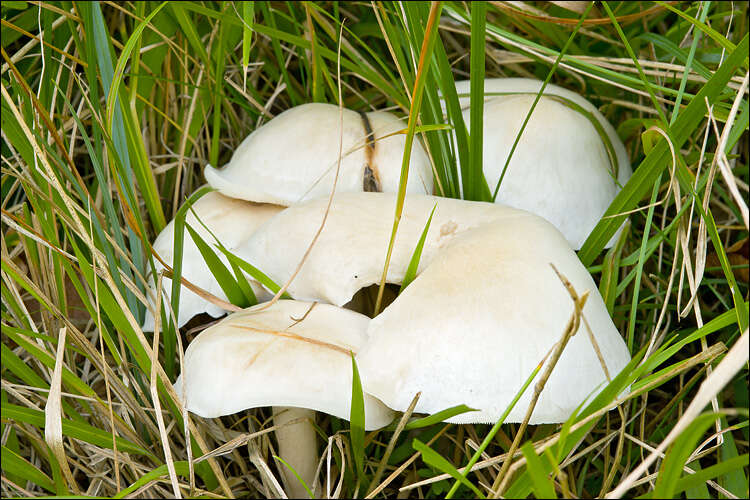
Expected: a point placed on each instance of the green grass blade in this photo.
(411, 270)
(474, 183)
(715, 35)
(728, 466)
(453, 168)
(102, 49)
(15, 464)
(425, 55)
(675, 458)
(219, 52)
(641, 261)
(431, 457)
(76, 430)
(659, 158)
(242, 282)
(253, 271)
(143, 171)
(178, 244)
(69, 379)
(15, 365)
(218, 270)
(357, 420)
(735, 480)
(181, 468)
(537, 472)
(438, 417)
(611, 270)
(495, 429)
(189, 30)
(304, 485)
(248, 17)
(538, 96)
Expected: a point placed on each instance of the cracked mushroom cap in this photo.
(293, 157)
(561, 168)
(232, 221)
(291, 354)
(478, 320)
(350, 251)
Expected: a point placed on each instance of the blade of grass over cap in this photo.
(422, 71)
(218, 269)
(411, 271)
(170, 329)
(357, 421)
(253, 271)
(247, 291)
(474, 183)
(538, 96)
(495, 429)
(438, 77)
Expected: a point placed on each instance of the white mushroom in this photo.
(479, 319)
(291, 354)
(232, 221)
(560, 169)
(350, 252)
(294, 157)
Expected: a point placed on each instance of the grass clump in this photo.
(110, 110)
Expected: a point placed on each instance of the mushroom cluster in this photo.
(485, 288)
(293, 157)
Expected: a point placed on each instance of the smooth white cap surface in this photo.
(350, 252)
(477, 321)
(232, 221)
(560, 169)
(269, 358)
(293, 157)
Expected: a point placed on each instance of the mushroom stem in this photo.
(297, 447)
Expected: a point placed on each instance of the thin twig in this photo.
(572, 327)
(392, 443)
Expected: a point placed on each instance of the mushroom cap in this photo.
(293, 157)
(478, 320)
(267, 357)
(560, 169)
(232, 221)
(388, 154)
(350, 251)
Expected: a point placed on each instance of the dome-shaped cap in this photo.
(294, 156)
(350, 251)
(290, 354)
(561, 168)
(478, 320)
